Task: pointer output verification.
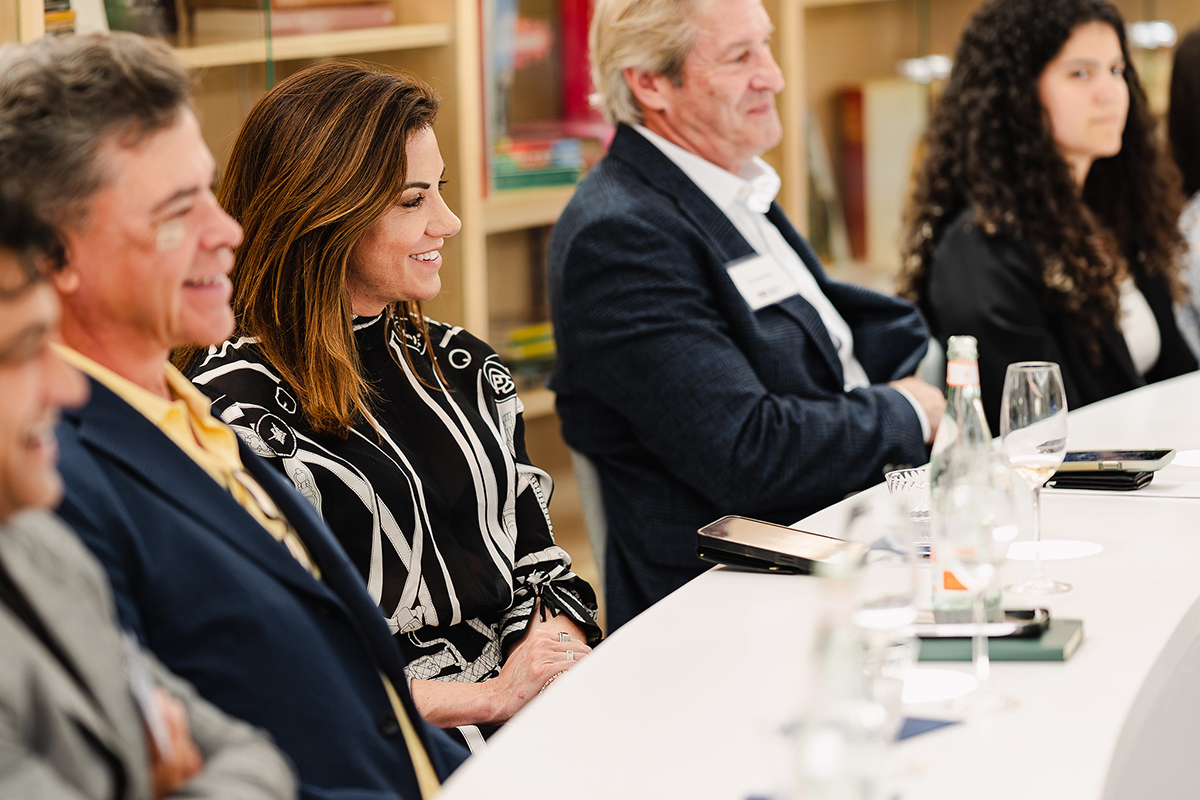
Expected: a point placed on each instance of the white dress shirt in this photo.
(1139, 327)
(745, 200)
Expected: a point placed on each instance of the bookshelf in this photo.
(822, 46)
(516, 209)
(318, 45)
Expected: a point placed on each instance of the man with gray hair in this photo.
(217, 564)
(706, 364)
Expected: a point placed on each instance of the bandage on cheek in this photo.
(170, 235)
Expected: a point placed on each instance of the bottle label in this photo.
(951, 583)
(962, 373)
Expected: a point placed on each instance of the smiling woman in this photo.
(399, 256)
(405, 433)
(1044, 217)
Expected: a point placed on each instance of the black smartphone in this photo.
(1017, 623)
(753, 544)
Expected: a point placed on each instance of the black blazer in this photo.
(225, 606)
(991, 288)
(691, 404)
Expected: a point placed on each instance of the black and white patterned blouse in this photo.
(436, 503)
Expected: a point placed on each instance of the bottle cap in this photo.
(962, 348)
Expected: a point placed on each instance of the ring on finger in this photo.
(570, 655)
(563, 636)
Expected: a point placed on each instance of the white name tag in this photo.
(761, 281)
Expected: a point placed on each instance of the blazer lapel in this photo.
(662, 175)
(797, 307)
(346, 585)
(70, 618)
(338, 575)
(111, 425)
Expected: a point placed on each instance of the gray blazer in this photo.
(58, 743)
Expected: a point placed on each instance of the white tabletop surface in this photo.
(692, 698)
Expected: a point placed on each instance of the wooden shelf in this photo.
(819, 3)
(318, 45)
(515, 209)
(538, 402)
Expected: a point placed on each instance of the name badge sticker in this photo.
(761, 281)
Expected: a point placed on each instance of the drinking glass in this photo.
(910, 489)
(1033, 430)
(976, 524)
(885, 583)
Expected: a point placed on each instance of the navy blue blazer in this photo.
(691, 404)
(226, 606)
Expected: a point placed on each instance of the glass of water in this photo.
(909, 489)
(886, 581)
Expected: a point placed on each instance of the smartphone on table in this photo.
(1116, 460)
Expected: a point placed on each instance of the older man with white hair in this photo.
(707, 365)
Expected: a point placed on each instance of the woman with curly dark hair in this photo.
(1044, 217)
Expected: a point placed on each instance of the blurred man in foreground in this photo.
(86, 713)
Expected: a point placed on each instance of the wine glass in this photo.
(1033, 431)
(975, 525)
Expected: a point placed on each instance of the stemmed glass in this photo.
(976, 524)
(1033, 430)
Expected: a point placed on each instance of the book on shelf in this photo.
(543, 154)
(529, 354)
(539, 129)
(826, 221)
(60, 22)
(880, 124)
(144, 17)
(1059, 642)
(215, 25)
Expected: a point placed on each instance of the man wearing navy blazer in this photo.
(87, 715)
(220, 568)
(706, 364)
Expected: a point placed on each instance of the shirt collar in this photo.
(755, 189)
(187, 413)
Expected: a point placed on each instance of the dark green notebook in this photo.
(1058, 643)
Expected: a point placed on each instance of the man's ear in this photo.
(649, 89)
(64, 275)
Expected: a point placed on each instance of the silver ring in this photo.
(570, 655)
(563, 636)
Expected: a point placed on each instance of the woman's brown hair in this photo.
(318, 160)
(990, 147)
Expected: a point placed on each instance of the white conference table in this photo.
(692, 698)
